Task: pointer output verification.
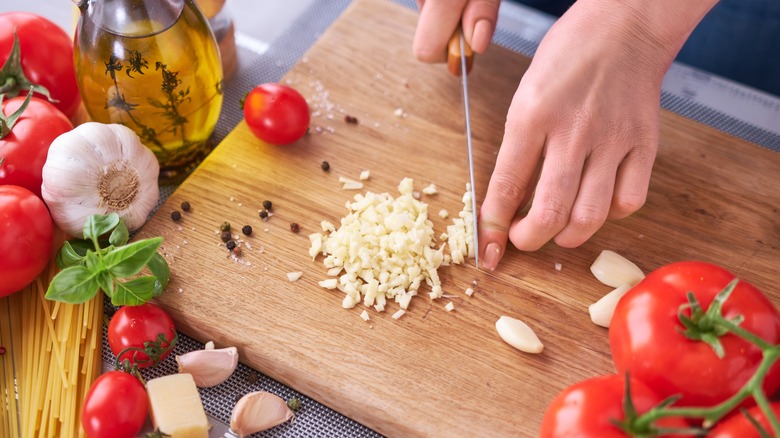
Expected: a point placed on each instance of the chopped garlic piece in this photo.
(449, 307)
(330, 283)
(430, 189)
(460, 235)
(399, 112)
(294, 276)
(364, 175)
(364, 315)
(469, 291)
(355, 185)
(444, 214)
(399, 314)
(558, 266)
(349, 302)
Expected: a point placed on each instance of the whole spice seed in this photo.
(175, 215)
(225, 236)
(263, 214)
(225, 226)
(252, 378)
(185, 206)
(2, 350)
(247, 230)
(294, 227)
(230, 245)
(267, 205)
(352, 120)
(325, 166)
(237, 251)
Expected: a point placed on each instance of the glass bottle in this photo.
(154, 66)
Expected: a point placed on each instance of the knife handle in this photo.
(454, 55)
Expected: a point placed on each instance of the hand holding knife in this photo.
(460, 58)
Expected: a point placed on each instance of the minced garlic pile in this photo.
(385, 248)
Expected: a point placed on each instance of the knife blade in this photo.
(460, 58)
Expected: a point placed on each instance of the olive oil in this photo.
(155, 68)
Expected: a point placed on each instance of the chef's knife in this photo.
(460, 57)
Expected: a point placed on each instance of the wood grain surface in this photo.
(433, 373)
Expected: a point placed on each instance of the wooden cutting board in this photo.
(433, 373)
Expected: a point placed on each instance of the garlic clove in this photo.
(209, 367)
(615, 270)
(517, 334)
(258, 411)
(602, 310)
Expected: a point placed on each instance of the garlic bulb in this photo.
(209, 367)
(258, 411)
(99, 168)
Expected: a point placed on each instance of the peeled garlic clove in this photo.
(258, 411)
(601, 311)
(615, 270)
(517, 334)
(209, 367)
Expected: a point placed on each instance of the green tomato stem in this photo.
(763, 403)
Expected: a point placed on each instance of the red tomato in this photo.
(646, 336)
(276, 113)
(738, 426)
(25, 148)
(46, 54)
(115, 407)
(26, 238)
(587, 409)
(132, 326)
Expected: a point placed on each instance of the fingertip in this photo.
(480, 38)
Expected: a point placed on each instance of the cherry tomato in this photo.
(276, 113)
(132, 326)
(26, 238)
(587, 409)
(115, 407)
(25, 148)
(646, 335)
(46, 55)
(737, 425)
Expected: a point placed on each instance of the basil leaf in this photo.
(93, 263)
(134, 292)
(73, 285)
(81, 246)
(120, 235)
(130, 259)
(99, 224)
(106, 282)
(161, 272)
(67, 256)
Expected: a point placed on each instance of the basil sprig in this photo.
(112, 265)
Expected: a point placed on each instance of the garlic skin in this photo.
(209, 367)
(99, 168)
(258, 411)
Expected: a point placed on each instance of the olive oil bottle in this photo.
(154, 66)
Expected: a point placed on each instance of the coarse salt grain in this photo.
(449, 307)
(558, 266)
(294, 276)
(364, 315)
(469, 291)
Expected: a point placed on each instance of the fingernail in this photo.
(481, 37)
(492, 256)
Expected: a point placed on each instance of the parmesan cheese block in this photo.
(175, 406)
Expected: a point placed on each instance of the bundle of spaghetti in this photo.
(56, 357)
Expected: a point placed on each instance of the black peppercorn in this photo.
(175, 215)
(252, 377)
(267, 205)
(225, 236)
(263, 214)
(247, 230)
(325, 166)
(230, 245)
(294, 227)
(352, 120)
(185, 206)
(225, 226)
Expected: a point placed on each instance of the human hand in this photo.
(439, 19)
(582, 130)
